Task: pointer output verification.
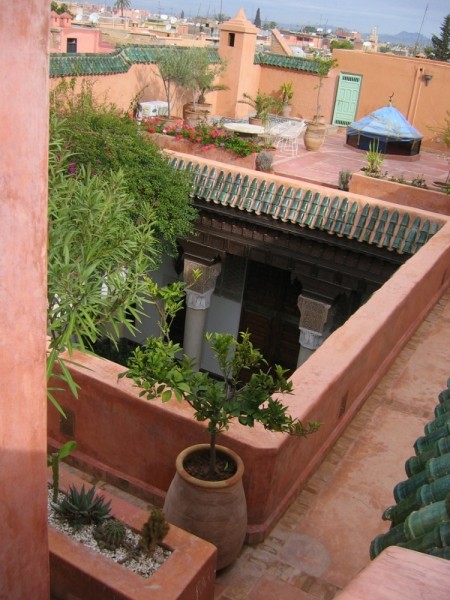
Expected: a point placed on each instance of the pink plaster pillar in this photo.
(24, 26)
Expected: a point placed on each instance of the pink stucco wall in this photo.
(23, 184)
(88, 40)
(425, 106)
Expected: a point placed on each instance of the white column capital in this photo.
(310, 339)
(198, 300)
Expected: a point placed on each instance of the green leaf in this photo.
(166, 396)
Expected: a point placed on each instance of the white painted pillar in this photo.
(313, 321)
(198, 300)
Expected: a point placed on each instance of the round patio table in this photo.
(245, 129)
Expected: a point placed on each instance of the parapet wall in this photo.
(135, 442)
(406, 195)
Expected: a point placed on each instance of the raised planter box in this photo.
(78, 572)
(399, 193)
(168, 142)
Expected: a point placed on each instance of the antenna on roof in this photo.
(416, 47)
(390, 99)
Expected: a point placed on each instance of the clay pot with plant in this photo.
(286, 95)
(262, 104)
(201, 80)
(316, 129)
(206, 496)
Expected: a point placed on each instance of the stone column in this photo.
(313, 321)
(198, 300)
(24, 33)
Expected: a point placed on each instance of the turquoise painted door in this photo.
(346, 99)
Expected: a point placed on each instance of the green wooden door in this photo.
(346, 99)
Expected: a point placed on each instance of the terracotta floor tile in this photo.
(271, 589)
(328, 528)
(334, 156)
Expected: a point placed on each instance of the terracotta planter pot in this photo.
(314, 136)
(193, 115)
(215, 511)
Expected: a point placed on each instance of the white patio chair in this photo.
(275, 131)
(289, 136)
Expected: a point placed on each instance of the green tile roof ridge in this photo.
(421, 517)
(118, 61)
(294, 63)
(293, 202)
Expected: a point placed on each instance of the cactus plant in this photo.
(154, 531)
(83, 507)
(110, 534)
(264, 161)
(344, 180)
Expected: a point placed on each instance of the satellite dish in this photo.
(78, 17)
(197, 24)
(168, 27)
(93, 18)
(173, 20)
(163, 17)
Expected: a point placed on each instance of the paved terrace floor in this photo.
(323, 539)
(322, 542)
(323, 166)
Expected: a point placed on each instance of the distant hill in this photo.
(405, 38)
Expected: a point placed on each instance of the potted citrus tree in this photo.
(316, 129)
(206, 496)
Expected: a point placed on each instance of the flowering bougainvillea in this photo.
(206, 135)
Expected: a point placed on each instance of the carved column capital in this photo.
(313, 314)
(205, 283)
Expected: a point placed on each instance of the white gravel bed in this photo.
(140, 563)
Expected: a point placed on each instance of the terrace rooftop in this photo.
(323, 167)
(322, 542)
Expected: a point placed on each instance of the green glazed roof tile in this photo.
(421, 516)
(368, 223)
(118, 61)
(294, 63)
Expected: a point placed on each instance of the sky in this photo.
(390, 16)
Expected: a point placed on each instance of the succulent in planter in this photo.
(81, 507)
(153, 531)
(245, 392)
(110, 534)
